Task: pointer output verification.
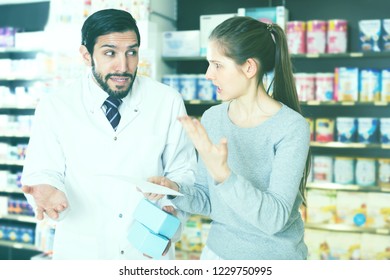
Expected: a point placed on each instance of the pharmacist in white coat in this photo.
(78, 161)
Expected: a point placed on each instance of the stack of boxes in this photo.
(152, 229)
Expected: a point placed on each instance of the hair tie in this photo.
(270, 27)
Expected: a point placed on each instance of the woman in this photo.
(253, 148)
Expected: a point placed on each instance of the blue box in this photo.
(155, 219)
(146, 241)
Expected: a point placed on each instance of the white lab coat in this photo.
(72, 144)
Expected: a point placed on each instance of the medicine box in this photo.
(207, 24)
(157, 220)
(370, 34)
(181, 43)
(146, 241)
(278, 15)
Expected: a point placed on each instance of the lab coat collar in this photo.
(96, 95)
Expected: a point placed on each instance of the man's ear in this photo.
(250, 68)
(85, 55)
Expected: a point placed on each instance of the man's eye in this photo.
(110, 53)
(132, 53)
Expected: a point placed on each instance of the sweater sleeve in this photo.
(270, 210)
(196, 198)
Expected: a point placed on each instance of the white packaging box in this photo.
(207, 24)
(181, 43)
(278, 15)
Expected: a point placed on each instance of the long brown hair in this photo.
(241, 38)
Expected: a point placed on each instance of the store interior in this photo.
(340, 52)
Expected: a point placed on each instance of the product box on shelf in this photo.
(324, 130)
(344, 170)
(378, 210)
(346, 84)
(375, 247)
(316, 36)
(370, 85)
(7, 37)
(386, 34)
(385, 85)
(181, 43)
(384, 172)
(322, 169)
(337, 39)
(296, 36)
(278, 15)
(207, 24)
(370, 34)
(351, 208)
(346, 128)
(321, 206)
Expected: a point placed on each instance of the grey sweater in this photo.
(255, 212)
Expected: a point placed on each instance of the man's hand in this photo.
(48, 200)
(162, 181)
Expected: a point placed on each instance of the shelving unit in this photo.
(17, 230)
(312, 63)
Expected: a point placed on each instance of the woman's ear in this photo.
(250, 68)
(85, 55)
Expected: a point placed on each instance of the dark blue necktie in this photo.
(112, 112)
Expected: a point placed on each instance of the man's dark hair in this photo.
(104, 22)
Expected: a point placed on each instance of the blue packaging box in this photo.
(156, 219)
(146, 241)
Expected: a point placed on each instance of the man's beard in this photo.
(104, 85)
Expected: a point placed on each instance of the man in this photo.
(82, 145)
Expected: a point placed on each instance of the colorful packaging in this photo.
(346, 129)
(346, 84)
(321, 206)
(344, 170)
(188, 86)
(337, 36)
(384, 172)
(378, 210)
(296, 37)
(370, 83)
(316, 36)
(324, 85)
(351, 208)
(375, 246)
(323, 169)
(386, 34)
(369, 34)
(206, 89)
(311, 126)
(368, 130)
(172, 81)
(305, 83)
(384, 129)
(7, 37)
(324, 130)
(385, 85)
(365, 172)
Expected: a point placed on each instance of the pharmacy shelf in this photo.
(11, 162)
(297, 56)
(342, 55)
(19, 218)
(342, 187)
(347, 228)
(10, 190)
(342, 145)
(18, 245)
